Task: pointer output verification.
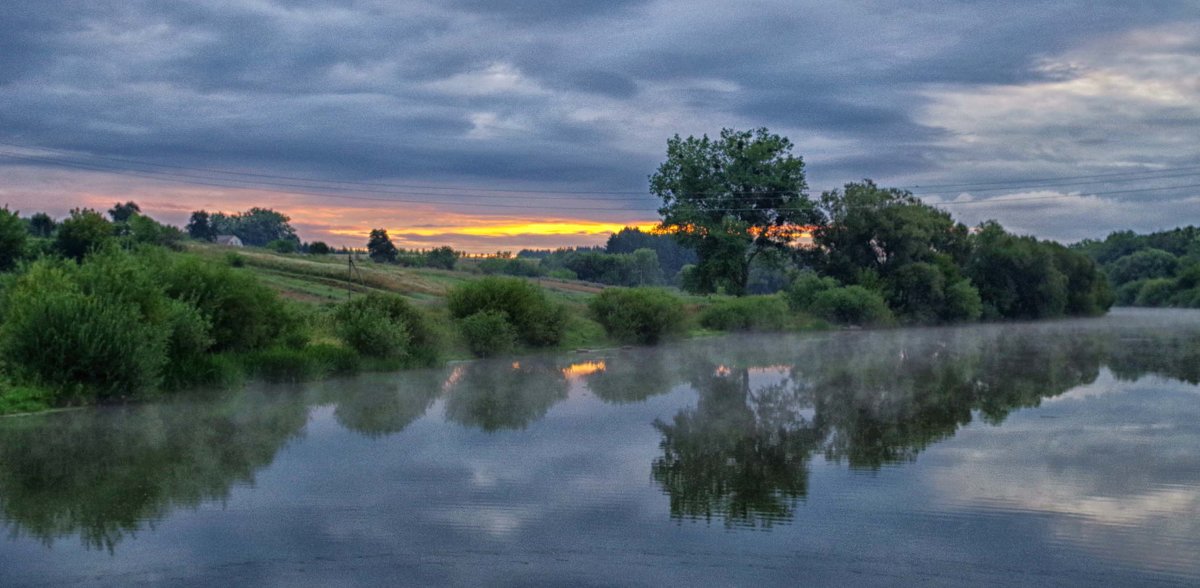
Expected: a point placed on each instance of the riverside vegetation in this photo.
(98, 309)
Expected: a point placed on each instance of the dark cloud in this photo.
(583, 94)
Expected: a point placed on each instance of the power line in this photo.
(405, 189)
(191, 179)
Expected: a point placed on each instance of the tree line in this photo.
(1155, 269)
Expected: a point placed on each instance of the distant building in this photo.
(229, 240)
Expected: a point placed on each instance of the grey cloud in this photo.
(357, 89)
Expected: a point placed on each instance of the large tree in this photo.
(380, 247)
(730, 199)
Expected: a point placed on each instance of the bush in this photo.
(1155, 292)
(536, 320)
(244, 314)
(84, 231)
(76, 344)
(852, 305)
(282, 246)
(805, 287)
(638, 315)
(319, 248)
(12, 239)
(488, 333)
(283, 364)
(510, 267)
(748, 313)
(386, 326)
(18, 399)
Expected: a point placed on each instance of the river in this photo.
(1062, 453)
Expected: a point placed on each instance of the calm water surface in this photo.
(1064, 453)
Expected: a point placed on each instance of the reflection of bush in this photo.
(493, 397)
(631, 377)
(106, 474)
(384, 404)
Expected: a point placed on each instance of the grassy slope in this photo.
(325, 279)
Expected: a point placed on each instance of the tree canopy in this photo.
(730, 199)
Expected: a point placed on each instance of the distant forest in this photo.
(1156, 269)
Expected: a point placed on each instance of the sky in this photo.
(502, 124)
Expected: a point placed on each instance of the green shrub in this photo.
(488, 333)
(805, 287)
(563, 273)
(852, 305)
(1155, 292)
(235, 259)
(537, 321)
(77, 344)
(747, 313)
(638, 315)
(244, 313)
(18, 399)
(282, 246)
(1127, 293)
(286, 364)
(83, 232)
(962, 302)
(386, 326)
(13, 237)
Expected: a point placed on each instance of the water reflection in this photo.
(105, 474)
(747, 420)
(497, 395)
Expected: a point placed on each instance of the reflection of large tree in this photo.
(106, 473)
(493, 396)
(739, 454)
(873, 398)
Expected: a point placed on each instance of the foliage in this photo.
(638, 315)
(748, 313)
(671, 255)
(730, 199)
(852, 305)
(255, 227)
(537, 321)
(282, 246)
(1142, 265)
(925, 293)
(488, 333)
(147, 231)
(441, 257)
(41, 225)
(880, 230)
(244, 313)
(805, 288)
(1021, 277)
(380, 247)
(640, 268)
(123, 212)
(16, 399)
(80, 345)
(12, 239)
(1155, 292)
(511, 266)
(286, 364)
(319, 248)
(82, 232)
(386, 326)
(200, 228)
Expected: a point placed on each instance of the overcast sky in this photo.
(508, 123)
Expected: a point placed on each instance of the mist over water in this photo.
(1060, 453)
